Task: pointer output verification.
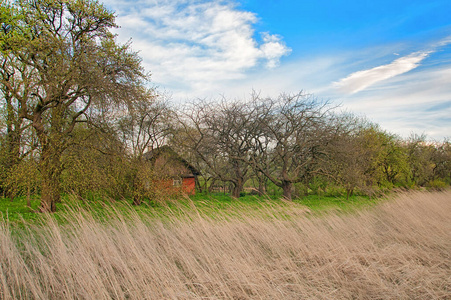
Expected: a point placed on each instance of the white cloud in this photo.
(272, 49)
(191, 46)
(413, 102)
(443, 42)
(361, 80)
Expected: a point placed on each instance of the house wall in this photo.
(189, 185)
(167, 185)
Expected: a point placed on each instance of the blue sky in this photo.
(387, 60)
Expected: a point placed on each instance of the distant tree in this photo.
(392, 161)
(357, 156)
(291, 138)
(346, 162)
(218, 134)
(441, 161)
(146, 126)
(379, 157)
(419, 156)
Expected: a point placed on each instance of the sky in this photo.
(389, 61)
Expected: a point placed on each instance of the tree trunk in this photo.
(50, 194)
(261, 184)
(212, 184)
(13, 133)
(261, 188)
(50, 168)
(136, 200)
(13, 141)
(197, 185)
(136, 185)
(287, 187)
(237, 188)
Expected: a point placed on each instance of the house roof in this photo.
(157, 152)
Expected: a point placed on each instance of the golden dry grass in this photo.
(399, 250)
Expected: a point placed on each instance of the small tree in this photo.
(419, 158)
(441, 162)
(353, 154)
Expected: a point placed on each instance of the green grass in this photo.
(211, 204)
(315, 204)
(18, 210)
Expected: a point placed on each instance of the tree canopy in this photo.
(63, 65)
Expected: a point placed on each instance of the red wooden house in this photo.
(175, 172)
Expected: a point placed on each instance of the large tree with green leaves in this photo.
(77, 69)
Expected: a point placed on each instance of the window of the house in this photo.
(177, 182)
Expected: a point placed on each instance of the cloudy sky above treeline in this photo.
(387, 60)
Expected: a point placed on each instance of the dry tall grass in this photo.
(398, 250)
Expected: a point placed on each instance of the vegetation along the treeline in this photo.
(78, 117)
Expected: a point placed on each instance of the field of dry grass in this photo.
(400, 249)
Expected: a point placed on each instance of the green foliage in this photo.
(85, 174)
(436, 184)
(319, 185)
(9, 19)
(22, 179)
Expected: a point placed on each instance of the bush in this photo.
(436, 184)
(22, 179)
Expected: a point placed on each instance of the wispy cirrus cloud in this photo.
(361, 80)
(193, 45)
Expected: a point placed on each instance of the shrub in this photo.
(436, 184)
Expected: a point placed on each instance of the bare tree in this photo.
(290, 137)
(146, 124)
(218, 134)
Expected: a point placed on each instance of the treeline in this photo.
(77, 116)
(300, 144)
